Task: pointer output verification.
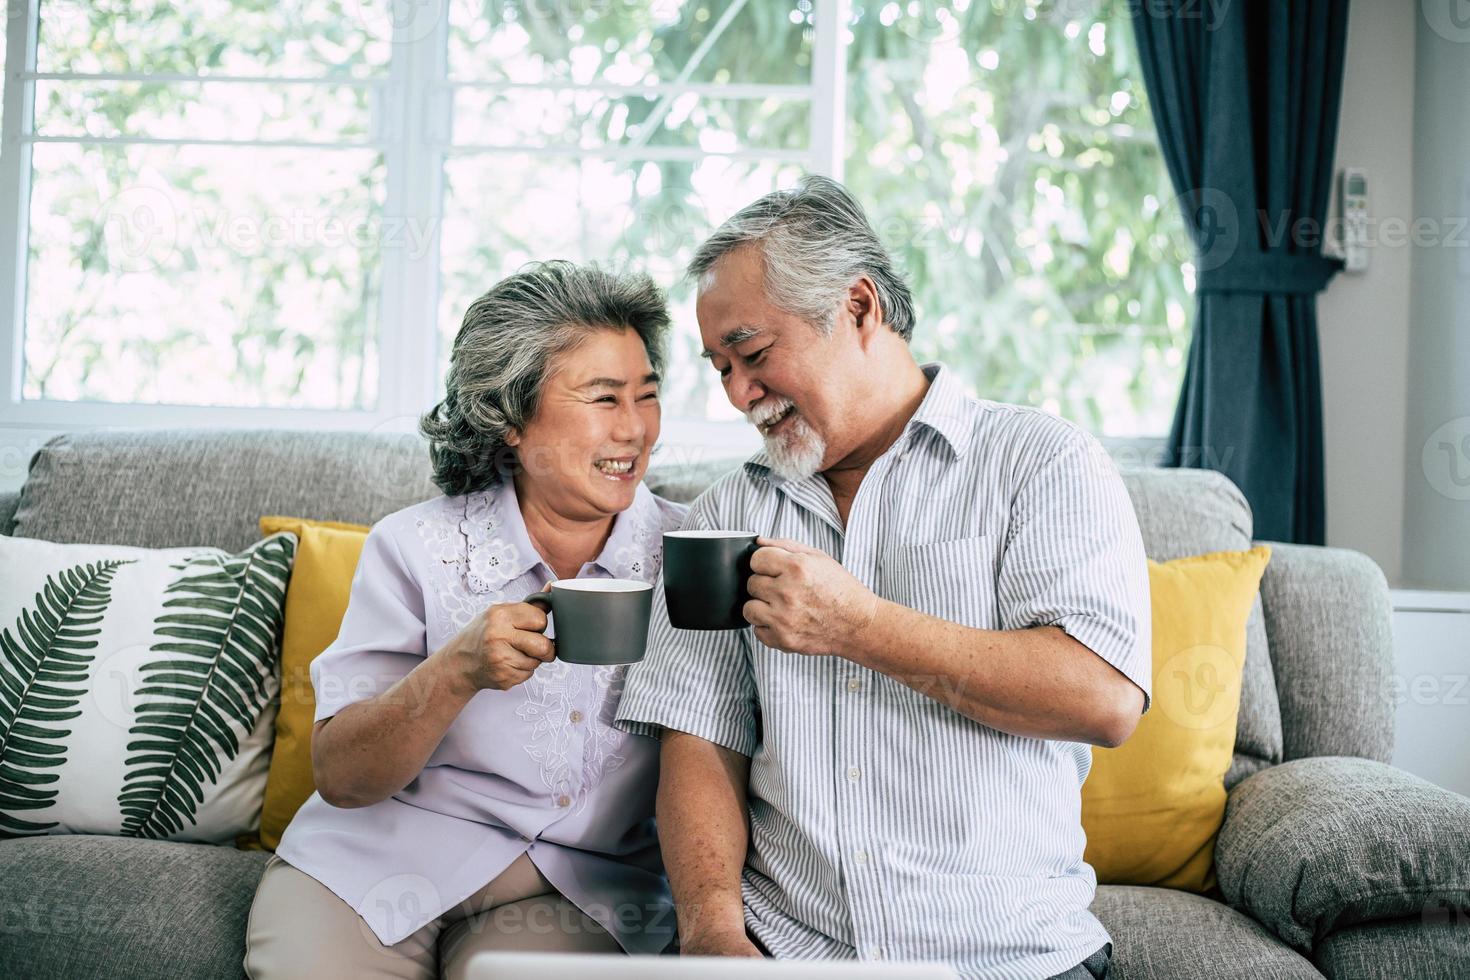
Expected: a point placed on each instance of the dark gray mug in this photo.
(598, 620)
(704, 578)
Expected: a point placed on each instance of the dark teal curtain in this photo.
(1245, 96)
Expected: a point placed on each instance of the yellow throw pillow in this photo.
(1153, 806)
(316, 600)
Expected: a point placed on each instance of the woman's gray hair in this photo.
(815, 242)
(503, 353)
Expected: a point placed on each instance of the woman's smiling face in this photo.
(587, 448)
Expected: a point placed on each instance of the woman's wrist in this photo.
(452, 672)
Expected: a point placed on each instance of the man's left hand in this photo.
(803, 601)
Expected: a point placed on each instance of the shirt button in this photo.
(576, 716)
(853, 684)
(854, 773)
(861, 857)
(563, 800)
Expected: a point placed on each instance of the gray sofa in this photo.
(1331, 863)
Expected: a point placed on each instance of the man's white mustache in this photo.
(763, 413)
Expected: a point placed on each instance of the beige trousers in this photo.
(300, 928)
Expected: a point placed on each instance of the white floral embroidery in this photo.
(601, 756)
(474, 566)
(547, 707)
(492, 559)
(642, 558)
(440, 529)
(573, 757)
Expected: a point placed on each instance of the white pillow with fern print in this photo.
(138, 687)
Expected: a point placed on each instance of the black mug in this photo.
(598, 620)
(705, 575)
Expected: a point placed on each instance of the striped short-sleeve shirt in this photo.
(884, 824)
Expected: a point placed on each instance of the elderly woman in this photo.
(472, 792)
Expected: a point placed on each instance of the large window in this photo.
(278, 210)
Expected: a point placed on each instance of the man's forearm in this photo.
(1036, 683)
(703, 832)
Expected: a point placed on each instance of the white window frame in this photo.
(417, 97)
(413, 133)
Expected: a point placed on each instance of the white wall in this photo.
(1364, 318)
(1437, 458)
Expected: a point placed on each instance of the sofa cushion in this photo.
(138, 686)
(1160, 934)
(1152, 806)
(167, 488)
(124, 909)
(316, 601)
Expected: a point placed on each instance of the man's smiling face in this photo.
(792, 382)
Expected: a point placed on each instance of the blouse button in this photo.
(576, 716)
(563, 800)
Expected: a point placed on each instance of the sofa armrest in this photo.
(1434, 946)
(9, 500)
(1310, 846)
(1329, 623)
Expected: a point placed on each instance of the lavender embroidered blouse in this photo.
(538, 769)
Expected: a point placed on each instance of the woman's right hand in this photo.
(373, 748)
(502, 646)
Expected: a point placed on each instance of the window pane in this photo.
(221, 37)
(204, 110)
(1008, 156)
(205, 275)
(592, 120)
(503, 212)
(624, 42)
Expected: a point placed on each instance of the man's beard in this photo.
(796, 451)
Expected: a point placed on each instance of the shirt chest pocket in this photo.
(953, 580)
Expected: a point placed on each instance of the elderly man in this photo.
(950, 605)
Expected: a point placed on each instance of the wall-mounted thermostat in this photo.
(1353, 196)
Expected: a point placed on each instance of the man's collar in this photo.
(945, 410)
(760, 464)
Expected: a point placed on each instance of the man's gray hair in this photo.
(815, 242)
(503, 353)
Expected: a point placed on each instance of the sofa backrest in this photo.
(168, 488)
(171, 488)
